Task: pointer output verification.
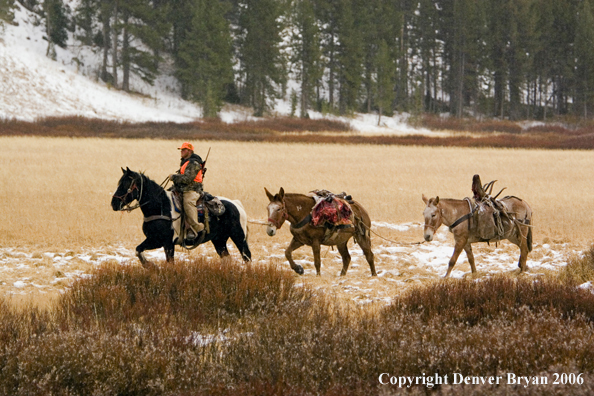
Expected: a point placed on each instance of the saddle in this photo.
(212, 203)
(213, 206)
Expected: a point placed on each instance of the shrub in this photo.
(579, 269)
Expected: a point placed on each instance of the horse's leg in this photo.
(346, 257)
(470, 255)
(147, 244)
(241, 242)
(169, 253)
(220, 245)
(288, 254)
(364, 242)
(458, 247)
(315, 246)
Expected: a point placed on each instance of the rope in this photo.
(389, 240)
(260, 222)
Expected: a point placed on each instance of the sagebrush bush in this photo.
(186, 293)
(579, 269)
(471, 302)
(221, 327)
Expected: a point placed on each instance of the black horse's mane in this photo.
(147, 181)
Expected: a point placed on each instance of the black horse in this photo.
(162, 220)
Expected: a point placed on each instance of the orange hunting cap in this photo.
(186, 145)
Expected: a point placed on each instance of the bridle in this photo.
(133, 186)
(284, 216)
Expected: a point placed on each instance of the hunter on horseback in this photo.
(188, 181)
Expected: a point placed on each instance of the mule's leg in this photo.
(364, 242)
(523, 248)
(315, 246)
(346, 257)
(288, 254)
(470, 256)
(458, 247)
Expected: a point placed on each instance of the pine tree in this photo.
(143, 29)
(56, 23)
(350, 56)
(584, 49)
(426, 24)
(306, 54)
(6, 11)
(385, 80)
(206, 54)
(462, 27)
(261, 63)
(327, 13)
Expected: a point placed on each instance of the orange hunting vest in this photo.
(198, 177)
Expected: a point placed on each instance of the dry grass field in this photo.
(56, 192)
(205, 326)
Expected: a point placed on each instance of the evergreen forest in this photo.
(506, 59)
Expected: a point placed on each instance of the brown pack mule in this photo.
(296, 208)
(458, 215)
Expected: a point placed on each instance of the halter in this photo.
(284, 216)
(132, 187)
(434, 228)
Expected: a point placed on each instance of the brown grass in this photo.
(127, 331)
(295, 130)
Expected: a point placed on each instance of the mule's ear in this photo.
(269, 195)
(123, 170)
(436, 201)
(281, 193)
(128, 170)
(425, 199)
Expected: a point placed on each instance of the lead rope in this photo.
(389, 240)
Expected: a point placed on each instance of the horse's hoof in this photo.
(299, 270)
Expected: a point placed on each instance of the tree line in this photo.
(516, 59)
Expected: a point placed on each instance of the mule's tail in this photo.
(529, 237)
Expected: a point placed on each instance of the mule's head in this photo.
(432, 214)
(277, 211)
(128, 190)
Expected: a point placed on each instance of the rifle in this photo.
(204, 163)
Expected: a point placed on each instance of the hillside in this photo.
(34, 87)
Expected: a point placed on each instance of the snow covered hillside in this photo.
(33, 86)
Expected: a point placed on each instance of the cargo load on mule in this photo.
(331, 210)
(490, 215)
